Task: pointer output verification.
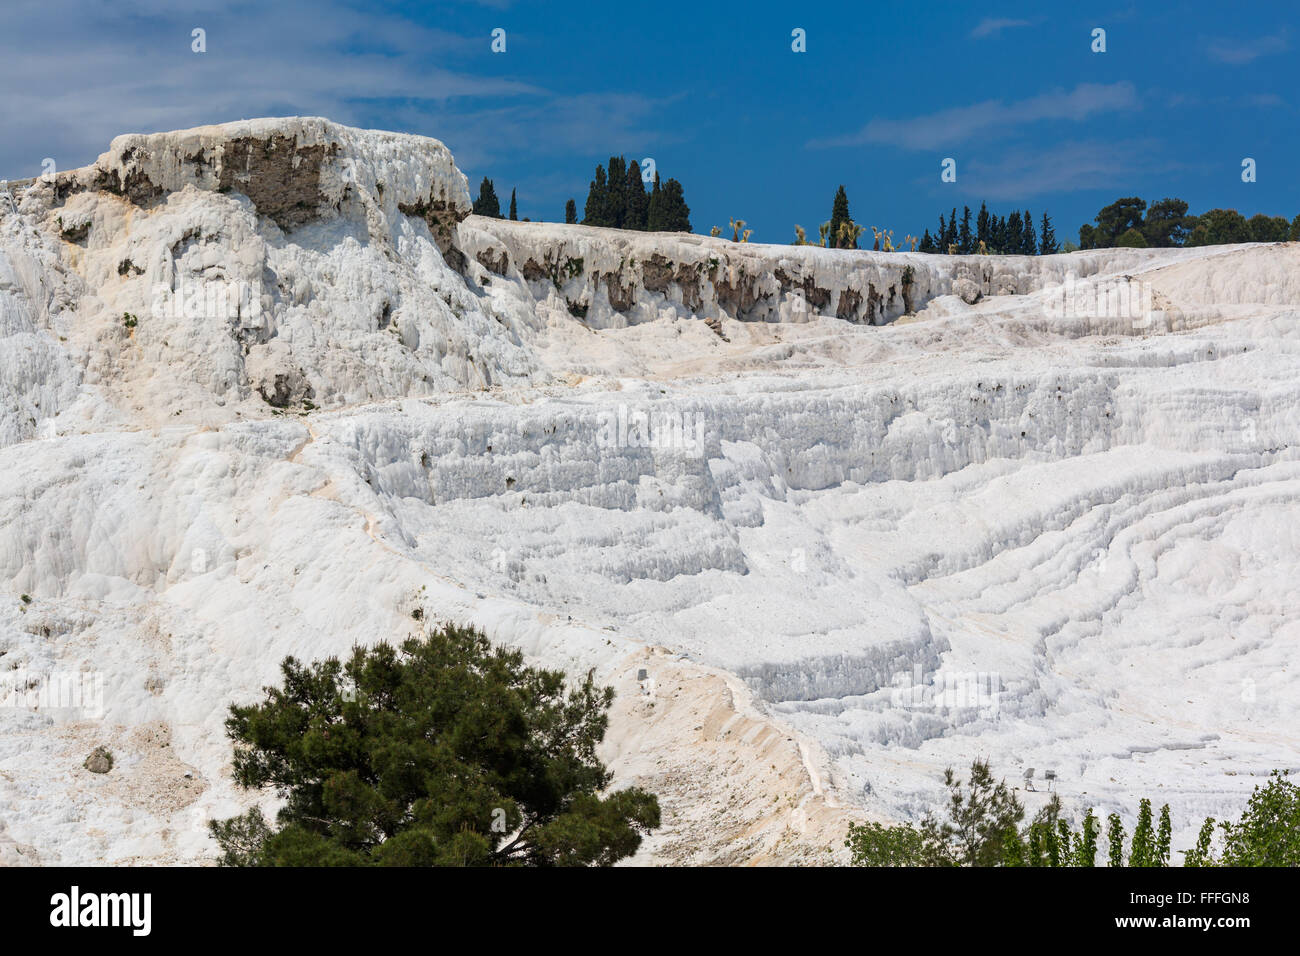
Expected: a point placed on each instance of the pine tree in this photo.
(1028, 240)
(1015, 234)
(950, 239)
(443, 751)
(487, 203)
(570, 212)
(927, 243)
(839, 214)
(941, 235)
(637, 201)
(1047, 244)
(966, 238)
(982, 226)
(514, 209)
(595, 212)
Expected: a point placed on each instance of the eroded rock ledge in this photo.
(294, 170)
(610, 278)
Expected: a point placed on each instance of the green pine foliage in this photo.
(839, 216)
(1047, 244)
(1028, 238)
(617, 199)
(487, 203)
(444, 751)
(1131, 239)
(636, 212)
(965, 235)
(675, 215)
(1126, 223)
(514, 208)
(570, 212)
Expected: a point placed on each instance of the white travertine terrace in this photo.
(925, 521)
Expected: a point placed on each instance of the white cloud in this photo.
(1239, 52)
(69, 90)
(1067, 167)
(991, 26)
(961, 123)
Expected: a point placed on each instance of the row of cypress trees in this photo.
(487, 203)
(617, 199)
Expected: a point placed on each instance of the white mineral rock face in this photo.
(861, 529)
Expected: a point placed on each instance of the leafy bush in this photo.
(1267, 834)
(981, 830)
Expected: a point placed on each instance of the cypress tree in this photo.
(951, 238)
(654, 216)
(514, 209)
(595, 214)
(637, 202)
(1142, 851)
(617, 210)
(676, 215)
(487, 203)
(1047, 244)
(570, 212)
(839, 214)
(1163, 837)
(1115, 837)
(1028, 241)
(982, 226)
(941, 235)
(1085, 844)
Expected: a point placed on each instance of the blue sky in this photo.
(713, 92)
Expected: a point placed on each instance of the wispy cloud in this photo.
(69, 91)
(992, 26)
(1238, 52)
(1066, 167)
(961, 123)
